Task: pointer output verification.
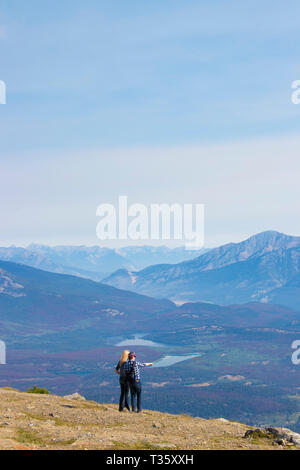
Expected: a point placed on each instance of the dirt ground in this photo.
(33, 421)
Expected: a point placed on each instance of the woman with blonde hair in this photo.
(124, 382)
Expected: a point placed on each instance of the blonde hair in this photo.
(124, 357)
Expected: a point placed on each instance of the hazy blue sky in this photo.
(163, 101)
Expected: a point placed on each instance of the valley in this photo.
(67, 333)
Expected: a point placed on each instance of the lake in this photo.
(138, 341)
(166, 361)
(170, 360)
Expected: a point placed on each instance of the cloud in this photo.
(166, 72)
(247, 187)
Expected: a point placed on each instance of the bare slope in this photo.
(29, 421)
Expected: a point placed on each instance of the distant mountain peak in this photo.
(236, 272)
(272, 235)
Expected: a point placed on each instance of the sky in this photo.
(165, 102)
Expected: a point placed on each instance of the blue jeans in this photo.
(136, 393)
(124, 384)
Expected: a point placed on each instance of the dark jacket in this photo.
(123, 377)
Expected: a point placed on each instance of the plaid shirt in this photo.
(127, 366)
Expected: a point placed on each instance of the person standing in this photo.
(124, 381)
(132, 370)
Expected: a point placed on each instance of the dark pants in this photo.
(136, 393)
(124, 384)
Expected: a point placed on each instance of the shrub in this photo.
(36, 389)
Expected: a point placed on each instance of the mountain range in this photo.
(94, 262)
(63, 332)
(35, 302)
(40, 307)
(263, 268)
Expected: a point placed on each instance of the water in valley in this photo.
(169, 360)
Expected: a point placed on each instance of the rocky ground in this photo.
(34, 421)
